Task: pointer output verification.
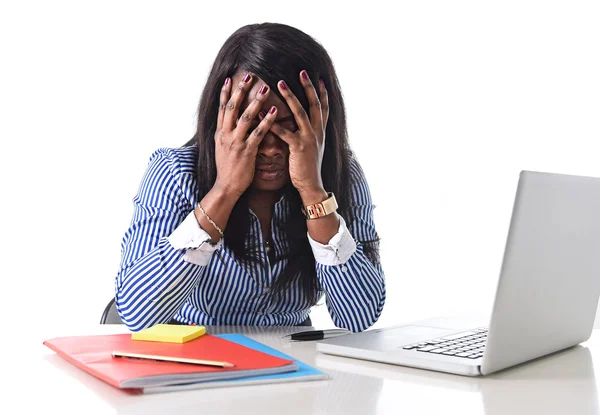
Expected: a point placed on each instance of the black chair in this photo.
(110, 315)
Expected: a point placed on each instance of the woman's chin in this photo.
(272, 185)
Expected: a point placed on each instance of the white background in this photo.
(447, 102)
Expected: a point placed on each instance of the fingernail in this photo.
(321, 83)
(304, 75)
(261, 115)
(263, 90)
(226, 81)
(272, 110)
(247, 78)
(283, 85)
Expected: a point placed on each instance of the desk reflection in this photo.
(563, 383)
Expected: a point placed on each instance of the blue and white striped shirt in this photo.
(158, 281)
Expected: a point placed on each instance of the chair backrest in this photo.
(110, 315)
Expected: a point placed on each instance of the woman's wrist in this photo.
(225, 193)
(314, 195)
(217, 205)
(323, 228)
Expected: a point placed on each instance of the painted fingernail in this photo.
(321, 83)
(272, 110)
(247, 78)
(226, 81)
(262, 115)
(283, 85)
(304, 75)
(263, 90)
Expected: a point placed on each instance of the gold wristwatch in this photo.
(318, 210)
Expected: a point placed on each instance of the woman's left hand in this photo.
(306, 145)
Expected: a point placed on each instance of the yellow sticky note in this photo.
(170, 333)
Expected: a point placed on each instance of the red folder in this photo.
(93, 354)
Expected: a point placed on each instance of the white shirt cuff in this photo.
(339, 249)
(195, 240)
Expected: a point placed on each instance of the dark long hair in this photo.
(276, 52)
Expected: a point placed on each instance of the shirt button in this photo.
(344, 269)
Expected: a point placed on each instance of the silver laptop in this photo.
(546, 297)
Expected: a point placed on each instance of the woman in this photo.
(265, 209)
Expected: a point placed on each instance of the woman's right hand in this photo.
(235, 147)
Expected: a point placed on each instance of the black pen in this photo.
(317, 334)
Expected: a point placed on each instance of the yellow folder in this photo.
(170, 333)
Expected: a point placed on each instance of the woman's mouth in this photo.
(270, 174)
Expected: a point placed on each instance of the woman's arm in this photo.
(354, 285)
(162, 262)
(165, 248)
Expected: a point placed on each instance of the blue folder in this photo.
(304, 372)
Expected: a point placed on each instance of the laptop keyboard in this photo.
(467, 344)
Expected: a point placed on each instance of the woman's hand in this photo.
(308, 143)
(235, 147)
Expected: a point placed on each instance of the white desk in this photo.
(564, 383)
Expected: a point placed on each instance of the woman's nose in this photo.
(271, 146)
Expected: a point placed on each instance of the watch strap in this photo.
(318, 210)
